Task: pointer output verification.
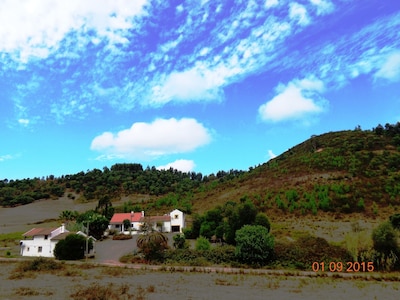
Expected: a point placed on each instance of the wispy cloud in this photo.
(7, 157)
(183, 165)
(151, 140)
(391, 67)
(296, 100)
(127, 55)
(92, 42)
(299, 13)
(370, 51)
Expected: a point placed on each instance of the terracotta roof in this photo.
(61, 236)
(153, 219)
(39, 231)
(120, 217)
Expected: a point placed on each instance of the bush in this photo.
(39, 264)
(122, 236)
(254, 245)
(384, 238)
(71, 248)
(96, 291)
(221, 254)
(302, 253)
(262, 220)
(180, 241)
(202, 243)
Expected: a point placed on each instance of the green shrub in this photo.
(262, 220)
(307, 249)
(202, 243)
(254, 245)
(221, 254)
(71, 248)
(180, 241)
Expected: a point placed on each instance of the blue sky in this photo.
(197, 85)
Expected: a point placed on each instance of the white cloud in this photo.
(390, 69)
(299, 12)
(6, 157)
(24, 122)
(149, 140)
(271, 3)
(323, 6)
(31, 29)
(296, 100)
(183, 165)
(188, 85)
(271, 155)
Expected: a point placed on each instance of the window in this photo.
(40, 249)
(27, 249)
(176, 216)
(46, 237)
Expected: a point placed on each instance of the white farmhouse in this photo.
(42, 241)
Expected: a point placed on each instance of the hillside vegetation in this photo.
(340, 172)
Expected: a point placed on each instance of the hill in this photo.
(341, 172)
(354, 171)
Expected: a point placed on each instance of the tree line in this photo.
(119, 180)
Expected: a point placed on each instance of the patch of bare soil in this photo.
(83, 279)
(24, 217)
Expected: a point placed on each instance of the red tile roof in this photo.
(39, 231)
(120, 217)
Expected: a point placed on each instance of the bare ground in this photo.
(188, 284)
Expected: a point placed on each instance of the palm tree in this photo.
(152, 245)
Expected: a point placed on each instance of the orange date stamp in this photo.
(341, 267)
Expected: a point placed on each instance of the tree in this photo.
(152, 245)
(71, 248)
(127, 224)
(180, 241)
(104, 207)
(202, 243)
(385, 243)
(68, 215)
(254, 245)
(97, 223)
(384, 238)
(262, 220)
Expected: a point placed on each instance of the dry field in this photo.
(85, 281)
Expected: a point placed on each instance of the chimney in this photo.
(142, 213)
(62, 228)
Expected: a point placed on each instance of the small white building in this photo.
(42, 241)
(177, 220)
(172, 222)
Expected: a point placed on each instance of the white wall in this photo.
(32, 247)
(177, 219)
